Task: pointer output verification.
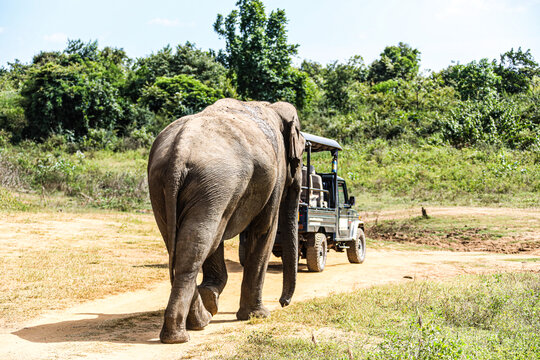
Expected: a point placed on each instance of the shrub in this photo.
(12, 120)
(68, 98)
(178, 96)
(491, 120)
(99, 139)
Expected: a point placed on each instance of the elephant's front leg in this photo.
(258, 248)
(214, 279)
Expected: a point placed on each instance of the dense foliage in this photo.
(92, 96)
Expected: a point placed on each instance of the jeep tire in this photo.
(356, 253)
(316, 251)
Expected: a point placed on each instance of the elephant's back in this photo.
(228, 155)
(247, 133)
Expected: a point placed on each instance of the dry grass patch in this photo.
(49, 260)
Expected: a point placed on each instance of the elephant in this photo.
(233, 168)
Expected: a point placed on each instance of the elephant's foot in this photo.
(198, 317)
(173, 336)
(197, 320)
(209, 297)
(259, 312)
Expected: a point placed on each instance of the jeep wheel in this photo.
(356, 253)
(316, 252)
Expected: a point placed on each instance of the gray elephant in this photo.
(234, 167)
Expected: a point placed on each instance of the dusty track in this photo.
(127, 325)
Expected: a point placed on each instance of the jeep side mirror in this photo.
(352, 201)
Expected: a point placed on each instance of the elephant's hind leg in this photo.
(192, 247)
(214, 279)
(198, 316)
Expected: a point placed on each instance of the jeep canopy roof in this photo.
(319, 143)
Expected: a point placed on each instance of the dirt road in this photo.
(127, 326)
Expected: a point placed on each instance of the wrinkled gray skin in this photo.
(235, 167)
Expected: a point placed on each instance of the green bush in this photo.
(12, 119)
(178, 96)
(491, 120)
(68, 98)
(99, 139)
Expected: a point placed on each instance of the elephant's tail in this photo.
(176, 176)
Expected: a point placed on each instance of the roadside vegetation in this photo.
(468, 317)
(381, 174)
(37, 174)
(79, 122)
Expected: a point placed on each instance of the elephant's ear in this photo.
(291, 131)
(296, 142)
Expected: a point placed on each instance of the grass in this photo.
(525, 260)
(476, 317)
(383, 174)
(380, 174)
(50, 260)
(99, 179)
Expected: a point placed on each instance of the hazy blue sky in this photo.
(459, 30)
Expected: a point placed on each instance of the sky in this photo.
(444, 31)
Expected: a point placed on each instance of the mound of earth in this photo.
(457, 239)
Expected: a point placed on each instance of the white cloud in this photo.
(170, 22)
(1, 29)
(56, 38)
(477, 7)
(164, 22)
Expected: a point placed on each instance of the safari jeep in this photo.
(326, 219)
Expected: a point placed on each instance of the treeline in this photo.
(92, 97)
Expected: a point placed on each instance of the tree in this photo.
(82, 51)
(474, 80)
(12, 114)
(258, 56)
(516, 69)
(396, 62)
(14, 76)
(186, 60)
(338, 78)
(71, 98)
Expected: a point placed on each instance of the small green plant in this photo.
(99, 139)
(9, 202)
(422, 342)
